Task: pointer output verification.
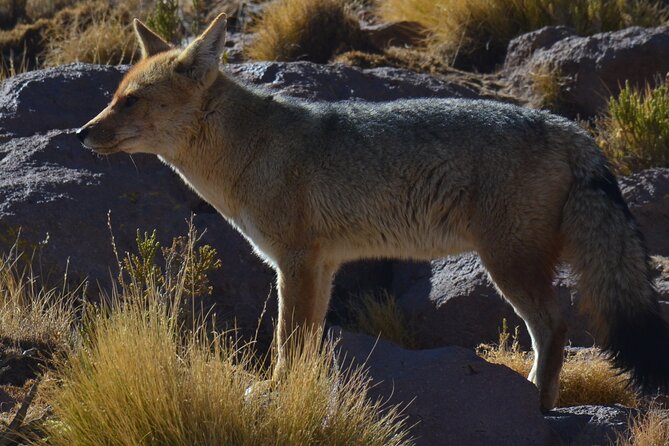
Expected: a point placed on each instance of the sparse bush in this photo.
(380, 316)
(313, 30)
(586, 378)
(649, 429)
(634, 133)
(477, 32)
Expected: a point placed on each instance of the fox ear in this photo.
(150, 43)
(202, 56)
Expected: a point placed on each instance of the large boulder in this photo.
(59, 195)
(450, 395)
(451, 301)
(586, 70)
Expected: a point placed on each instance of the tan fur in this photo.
(314, 185)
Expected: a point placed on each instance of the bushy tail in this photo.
(608, 253)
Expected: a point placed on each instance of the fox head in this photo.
(159, 102)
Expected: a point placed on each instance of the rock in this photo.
(451, 395)
(589, 425)
(588, 70)
(647, 194)
(523, 47)
(451, 301)
(340, 82)
(58, 194)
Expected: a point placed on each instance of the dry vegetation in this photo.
(649, 429)
(313, 30)
(380, 316)
(586, 378)
(188, 389)
(477, 32)
(177, 382)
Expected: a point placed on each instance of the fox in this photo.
(312, 185)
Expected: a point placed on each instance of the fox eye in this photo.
(130, 101)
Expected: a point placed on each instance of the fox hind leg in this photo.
(527, 286)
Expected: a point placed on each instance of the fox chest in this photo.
(262, 244)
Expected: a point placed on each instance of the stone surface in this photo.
(451, 301)
(341, 82)
(589, 425)
(590, 68)
(451, 395)
(523, 47)
(647, 194)
(58, 195)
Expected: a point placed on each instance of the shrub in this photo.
(586, 378)
(634, 133)
(313, 30)
(164, 20)
(477, 32)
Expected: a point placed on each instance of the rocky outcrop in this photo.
(585, 70)
(589, 425)
(58, 195)
(450, 395)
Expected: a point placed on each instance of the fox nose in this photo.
(82, 133)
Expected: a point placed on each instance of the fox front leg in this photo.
(304, 284)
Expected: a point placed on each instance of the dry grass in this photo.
(313, 30)
(95, 33)
(380, 316)
(165, 387)
(549, 86)
(31, 315)
(478, 31)
(634, 132)
(140, 374)
(649, 429)
(586, 378)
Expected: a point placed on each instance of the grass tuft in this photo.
(92, 32)
(634, 132)
(30, 314)
(313, 30)
(586, 378)
(380, 316)
(477, 32)
(166, 387)
(649, 429)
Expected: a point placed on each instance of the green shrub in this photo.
(165, 20)
(634, 133)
